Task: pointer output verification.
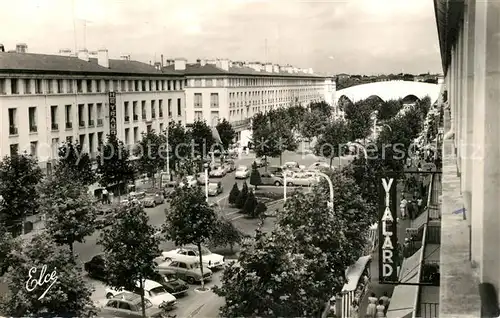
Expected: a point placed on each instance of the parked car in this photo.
(96, 267)
(153, 291)
(242, 172)
(270, 179)
(300, 179)
(291, 165)
(277, 171)
(230, 165)
(260, 162)
(127, 304)
(152, 200)
(200, 178)
(215, 188)
(319, 165)
(186, 269)
(210, 260)
(217, 172)
(189, 181)
(168, 189)
(173, 284)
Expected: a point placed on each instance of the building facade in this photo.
(48, 99)
(470, 255)
(217, 89)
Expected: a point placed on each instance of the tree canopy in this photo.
(226, 133)
(75, 164)
(151, 152)
(331, 142)
(69, 296)
(178, 144)
(202, 138)
(19, 177)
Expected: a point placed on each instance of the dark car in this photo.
(96, 267)
(172, 284)
(127, 304)
(271, 179)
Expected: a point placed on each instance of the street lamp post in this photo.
(284, 186)
(206, 181)
(330, 185)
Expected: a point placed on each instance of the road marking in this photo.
(196, 311)
(236, 218)
(232, 213)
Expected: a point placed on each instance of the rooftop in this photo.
(211, 69)
(45, 63)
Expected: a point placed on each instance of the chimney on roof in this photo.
(268, 67)
(213, 62)
(223, 64)
(169, 62)
(158, 66)
(310, 71)
(295, 70)
(103, 58)
(83, 55)
(180, 64)
(202, 62)
(2, 48)
(276, 68)
(161, 60)
(21, 48)
(289, 69)
(125, 57)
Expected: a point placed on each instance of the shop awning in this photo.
(354, 272)
(404, 296)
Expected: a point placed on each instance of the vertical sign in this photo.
(388, 230)
(112, 113)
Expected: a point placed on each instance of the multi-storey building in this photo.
(217, 89)
(47, 99)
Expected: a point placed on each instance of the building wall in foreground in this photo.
(472, 177)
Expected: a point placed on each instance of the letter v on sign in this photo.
(387, 185)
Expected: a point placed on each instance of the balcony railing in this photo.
(33, 129)
(82, 124)
(91, 123)
(99, 122)
(136, 117)
(127, 119)
(69, 125)
(13, 130)
(54, 126)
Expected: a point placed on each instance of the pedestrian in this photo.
(386, 300)
(104, 196)
(371, 310)
(372, 299)
(355, 309)
(402, 206)
(380, 309)
(419, 204)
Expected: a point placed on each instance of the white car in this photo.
(300, 179)
(319, 165)
(242, 172)
(217, 172)
(189, 181)
(210, 260)
(153, 291)
(291, 165)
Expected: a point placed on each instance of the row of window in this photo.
(273, 82)
(152, 103)
(260, 95)
(198, 100)
(14, 86)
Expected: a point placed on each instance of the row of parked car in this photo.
(175, 270)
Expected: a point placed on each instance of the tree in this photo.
(69, 210)
(359, 120)
(330, 144)
(190, 220)
(69, 296)
(313, 124)
(226, 234)
(322, 108)
(295, 115)
(389, 109)
(226, 133)
(74, 163)
(259, 210)
(255, 178)
(130, 248)
(151, 153)
(234, 194)
(19, 177)
(250, 204)
(278, 278)
(202, 139)
(242, 198)
(178, 139)
(7, 245)
(113, 164)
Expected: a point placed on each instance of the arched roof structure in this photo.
(390, 90)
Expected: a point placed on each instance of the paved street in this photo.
(197, 304)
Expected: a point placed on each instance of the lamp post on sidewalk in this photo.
(206, 181)
(330, 185)
(284, 186)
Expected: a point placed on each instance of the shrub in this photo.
(255, 179)
(259, 210)
(242, 198)
(250, 204)
(234, 194)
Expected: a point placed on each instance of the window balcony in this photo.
(13, 130)
(69, 125)
(91, 123)
(54, 127)
(99, 122)
(127, 119)
(160, 115)
(136, 117)
(82, 124)
(33, 129)
(144, 116)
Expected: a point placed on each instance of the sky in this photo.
(344, 36)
